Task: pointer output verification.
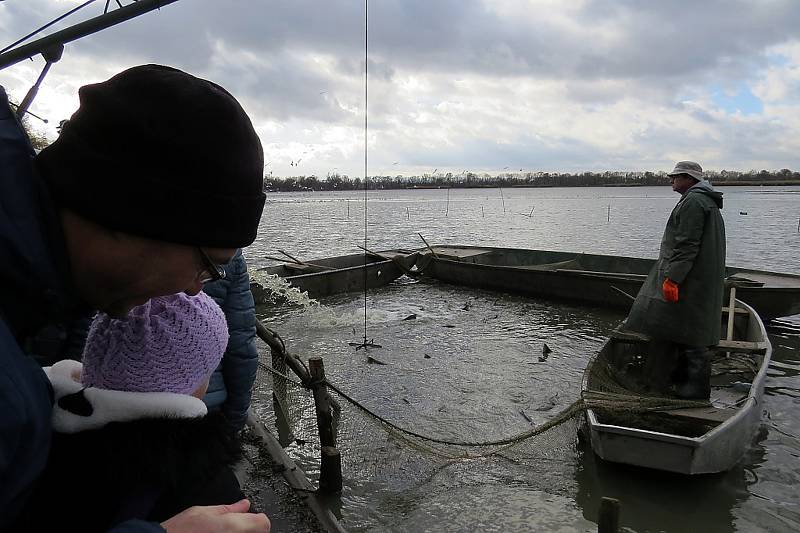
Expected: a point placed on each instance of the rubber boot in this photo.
(698, 375)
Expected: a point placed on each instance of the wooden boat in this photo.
(603, 280)
(695, 440)
(334, 275)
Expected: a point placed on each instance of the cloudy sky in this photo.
(455, 85)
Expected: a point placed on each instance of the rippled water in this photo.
(482, 350)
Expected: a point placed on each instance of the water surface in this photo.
(468, 364)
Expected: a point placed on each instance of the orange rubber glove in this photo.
(670, 290)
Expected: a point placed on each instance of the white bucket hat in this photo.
(688, 167)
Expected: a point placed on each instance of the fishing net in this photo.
(377, 451)
(399, 454)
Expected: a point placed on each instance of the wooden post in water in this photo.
(608, 219)
(503, 200)
(330, 469)
(447, 210)
(348, 208)
(608, 517)
(408, 214)
(484, 215)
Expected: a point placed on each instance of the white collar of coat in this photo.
(114, 406)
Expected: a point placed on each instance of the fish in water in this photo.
(548, 404)
(546, 351)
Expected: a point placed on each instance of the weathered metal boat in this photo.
(695, 440)
(334, 275)
(603, 280)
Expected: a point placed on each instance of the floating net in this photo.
(375, 450)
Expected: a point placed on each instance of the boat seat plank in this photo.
(736, 310)
(458, 254)
(740, 346)
(703, 414)
(303, 269)
(630, 336)
(723, 346)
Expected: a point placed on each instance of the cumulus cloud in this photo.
(457, 84)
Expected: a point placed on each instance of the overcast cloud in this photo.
(465, 84)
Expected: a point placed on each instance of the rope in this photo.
(366, 78)
(565, 415)
(276, 373)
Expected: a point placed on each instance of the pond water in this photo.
(467, 365)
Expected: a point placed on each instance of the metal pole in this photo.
(81, 29)
(51, 55)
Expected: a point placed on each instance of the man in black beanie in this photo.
(154, 182)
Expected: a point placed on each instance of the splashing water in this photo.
(278, 289)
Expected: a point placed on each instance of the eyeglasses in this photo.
(211, 271)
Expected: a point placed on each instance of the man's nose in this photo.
(194, 289)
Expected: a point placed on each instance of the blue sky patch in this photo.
(743, 100)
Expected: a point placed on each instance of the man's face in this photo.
(682, 183)
(160, 270)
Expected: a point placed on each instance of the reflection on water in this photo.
(467, 363)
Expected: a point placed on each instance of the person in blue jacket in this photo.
(232, 382)
(154, 181)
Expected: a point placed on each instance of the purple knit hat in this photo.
(170, 344)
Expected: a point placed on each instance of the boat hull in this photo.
(343, 274)
(602, 280)
(717, 450)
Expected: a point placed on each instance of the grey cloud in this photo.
(682, 41)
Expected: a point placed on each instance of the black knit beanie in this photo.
(159, 153)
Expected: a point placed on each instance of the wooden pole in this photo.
(502, 199)
(330, 471)
(608, 218)
(428, 245)
(408, 214)
(608, 517)
(731, 315)
(447, 209)
(731, 312)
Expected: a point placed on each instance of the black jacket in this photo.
(118, 456)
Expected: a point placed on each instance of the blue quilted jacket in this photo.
(232, 382)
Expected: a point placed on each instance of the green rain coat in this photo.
(693, 256)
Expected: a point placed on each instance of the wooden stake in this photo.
(608, 219)
(447, 210)
(330, 472)
(608, 517)
(408, 214)
(503, 200)
(428, 245)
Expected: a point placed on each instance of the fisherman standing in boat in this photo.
(679, 305)
(153, 183)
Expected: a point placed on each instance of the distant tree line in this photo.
(339, 182)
